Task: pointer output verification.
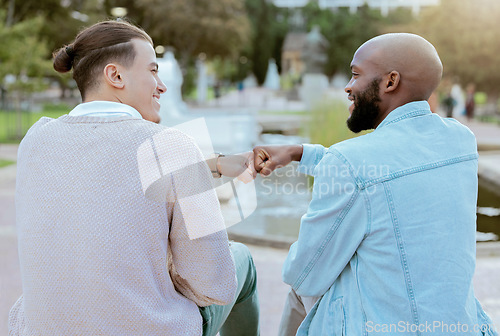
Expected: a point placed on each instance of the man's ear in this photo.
(392, 81)
(112, 76)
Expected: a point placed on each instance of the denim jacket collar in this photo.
(408, 110)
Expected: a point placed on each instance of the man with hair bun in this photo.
(100, 254)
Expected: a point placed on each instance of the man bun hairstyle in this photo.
(95, 47)
(64, 60)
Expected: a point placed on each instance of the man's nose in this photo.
(347, 88)
(161, 87)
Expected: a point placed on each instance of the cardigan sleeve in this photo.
(202, 267)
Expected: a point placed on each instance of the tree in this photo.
(280, 28)
(23, 54)
(262, 45)
(345, 31)
(57, 24)
(464, 34)
(23, 61)
(61, 20)
(215, 28)
(269, 28)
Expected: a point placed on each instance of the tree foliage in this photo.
(262, 45)
(269, 28)
(23, 54)
(346, 31)
(215, 28)
(464, 34)
(60, 20)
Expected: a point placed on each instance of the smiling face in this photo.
(364, 92)
(390, 71)
(142, 86)
(365, 109)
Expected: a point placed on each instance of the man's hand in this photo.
(238, 165)
(268, 158)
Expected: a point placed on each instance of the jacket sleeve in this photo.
(311, 156)
(200, 261)
(335, 224)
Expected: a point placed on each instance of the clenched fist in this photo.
(268, 158)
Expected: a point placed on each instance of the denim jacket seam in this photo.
(344, 317)
(359, 185)
(402, 255)
(484, 316)
(328, 238)
(415, 113)
(368, 214)
(365, 332)
(418, 169)
(341, 157)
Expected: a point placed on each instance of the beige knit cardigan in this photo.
(100, 202)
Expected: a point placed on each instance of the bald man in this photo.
(387, 246)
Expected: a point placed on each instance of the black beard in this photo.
(366, 109)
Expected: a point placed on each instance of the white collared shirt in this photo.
(101, 108)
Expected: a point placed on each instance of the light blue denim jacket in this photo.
(388, 240)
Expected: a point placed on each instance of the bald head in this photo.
(389, 71)
(411, 56)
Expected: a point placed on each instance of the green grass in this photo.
(271, 112)
(491, 119)
(14, 125)
(5, 163)
(193, 94)
(327, 125)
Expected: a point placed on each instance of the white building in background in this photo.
(290, 3)
(384, 5)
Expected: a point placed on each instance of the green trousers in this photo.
(240, 317)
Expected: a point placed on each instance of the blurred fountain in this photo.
(314, 81)
(170, 73)
(272, 77)
(202, 82)
(215, 129)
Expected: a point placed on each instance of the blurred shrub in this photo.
(15, 124)
(5, 163)
(56, 107)
(480, 98)
(327, 124)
